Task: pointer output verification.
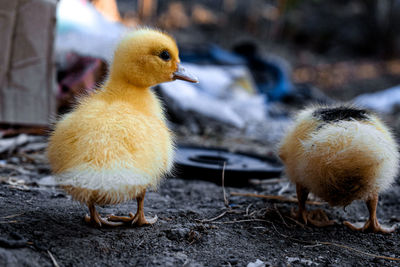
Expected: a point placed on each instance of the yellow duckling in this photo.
(341, 154)
(115, 143)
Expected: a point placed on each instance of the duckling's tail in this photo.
(349, 160)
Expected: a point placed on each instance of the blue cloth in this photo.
(271, 78)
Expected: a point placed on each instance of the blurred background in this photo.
(258, 62)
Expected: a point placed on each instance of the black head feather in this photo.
(341, 113)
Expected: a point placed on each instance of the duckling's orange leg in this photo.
(316, 217)
(95, 218)
(372, 224)
(138, 219)
(302, 195)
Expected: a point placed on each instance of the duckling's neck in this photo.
(140, 97)
(121, 87)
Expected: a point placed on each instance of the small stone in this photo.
(38, 233)
(233, 260)
(47, 181)
(177, 233)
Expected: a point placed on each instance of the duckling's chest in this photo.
(146, 129)
(146, 135)
(128, 133)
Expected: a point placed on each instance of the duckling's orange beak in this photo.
(182, 74)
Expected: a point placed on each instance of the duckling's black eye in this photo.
(164, 55)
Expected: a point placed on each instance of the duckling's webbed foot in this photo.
(138, 219)
(96, 220)
(372, 224)
(316, 218)
(319, 218)
(124, 219)
(142, 220)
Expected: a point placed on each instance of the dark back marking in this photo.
(341, 114)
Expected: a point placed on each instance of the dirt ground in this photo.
(194, 227)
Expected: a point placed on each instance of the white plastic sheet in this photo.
(83, 30)
(383, 101)
(218, 95)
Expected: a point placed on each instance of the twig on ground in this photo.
(296, 221)
(140, 243)
(213, 219)
(17, 169)
(247, 209)
(19, 243)
(226, 201)
(336, 245)
(253, 213)
(227, 211)
(53, 259)
(12, 216)
(268, 181)
(279, 198)
(280, 215)
(241, 221)
(359, 251)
